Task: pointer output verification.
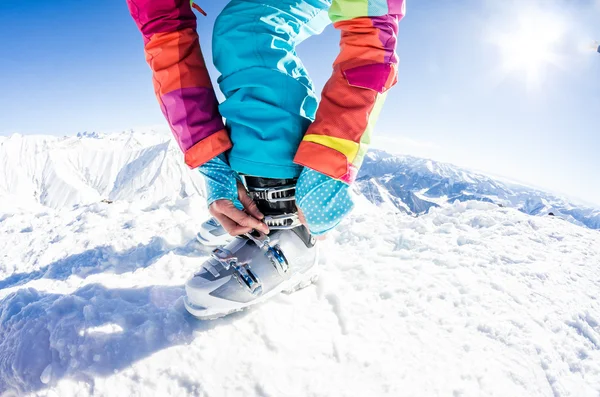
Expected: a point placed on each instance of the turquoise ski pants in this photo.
(270, 100)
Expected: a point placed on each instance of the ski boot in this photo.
(212, 234)
(254, 267)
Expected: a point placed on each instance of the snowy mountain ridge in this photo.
(414, 185)
(147, 167)
(62, 172)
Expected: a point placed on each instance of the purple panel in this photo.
(397, 7)
(372, 76)
(388, 33)
(192, 113)
(161, 16)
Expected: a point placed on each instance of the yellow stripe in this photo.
(365, 140)
(347, 147)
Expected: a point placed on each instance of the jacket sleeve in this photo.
(365, 69)
(181, 81)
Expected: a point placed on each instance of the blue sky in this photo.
(464, 95)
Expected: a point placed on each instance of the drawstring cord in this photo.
(197, 7)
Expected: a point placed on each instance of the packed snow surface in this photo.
(469, 299)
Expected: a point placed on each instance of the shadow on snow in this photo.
(94, 331)
(105, 259)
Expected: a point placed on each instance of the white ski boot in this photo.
(252, 268)
(212, 234)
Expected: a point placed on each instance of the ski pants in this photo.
(270, 99)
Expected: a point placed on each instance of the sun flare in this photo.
(530, 45)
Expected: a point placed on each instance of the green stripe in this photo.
(365, 139)
(343, 10)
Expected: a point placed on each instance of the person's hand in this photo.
(323, 202)
(236, 221)
(228, 200)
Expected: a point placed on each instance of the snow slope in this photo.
(469, 299)
(62, 172)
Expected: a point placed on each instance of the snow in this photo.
(469, 299)
(62, 172)
(414, 185)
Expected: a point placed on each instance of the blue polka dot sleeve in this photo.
(324, 201)
(221, 181)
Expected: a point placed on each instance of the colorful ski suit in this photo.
(273, 125)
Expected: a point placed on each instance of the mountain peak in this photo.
(415, 185)
(147, 166)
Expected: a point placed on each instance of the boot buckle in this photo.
(272, 252)
(275, 194)
(278, 260)
(241, 271)
(283, 221)
(246, 277)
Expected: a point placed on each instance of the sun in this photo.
(530, 44)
